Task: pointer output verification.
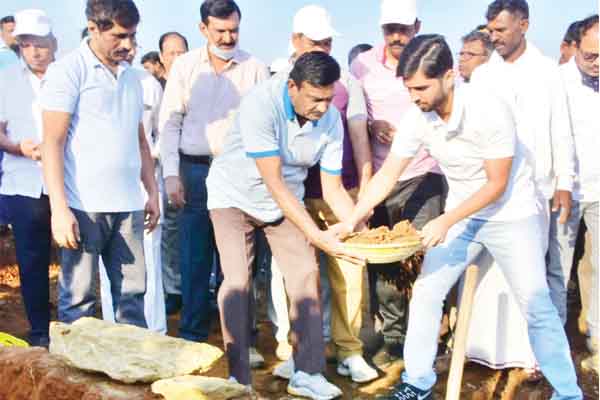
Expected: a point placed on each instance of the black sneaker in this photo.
(404, 391)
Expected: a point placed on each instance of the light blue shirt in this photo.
(7, 56)
(267, 126)
(102, 153)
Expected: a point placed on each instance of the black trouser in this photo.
(419, 200)
(30, 220)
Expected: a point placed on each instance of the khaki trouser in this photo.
(346, 281)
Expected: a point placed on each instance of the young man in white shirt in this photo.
(95, 152)
(580, 76)
(22, 188)
(490, 207)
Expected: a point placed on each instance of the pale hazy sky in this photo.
(266, 24)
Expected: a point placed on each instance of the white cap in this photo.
(279, 64)
(314, 22)
(402, 12)
(32, 22)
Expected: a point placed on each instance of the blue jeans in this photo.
(561, 249)
(118, 239)
(30, 220)
(516, 246)
(197, 246)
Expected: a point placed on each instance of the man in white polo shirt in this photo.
(22, 189)
(94, 152)
(472, 135)
(580, 76)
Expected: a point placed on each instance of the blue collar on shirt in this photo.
(288, 107)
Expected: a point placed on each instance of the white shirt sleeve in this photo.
(408, 139)
(496, 125)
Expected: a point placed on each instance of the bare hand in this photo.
(30, 149)
(562, 201)
(65, 229)
(328, 242)
(383, 131)
(151, 212)
(175, 191)
(434, 232)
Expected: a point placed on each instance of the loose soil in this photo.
(479, 383)
(401, 232)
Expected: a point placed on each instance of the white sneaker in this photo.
(314, 387)
(248, 388)
(357, 368)
(285, 369)
(256, 359)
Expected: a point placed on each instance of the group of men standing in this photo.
(154, 179)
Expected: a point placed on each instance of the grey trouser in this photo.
(118, 239)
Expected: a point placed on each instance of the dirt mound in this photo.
(401, 232)
(34, 374)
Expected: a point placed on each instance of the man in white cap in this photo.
(420, 192)
(313, 31)
(22, 188)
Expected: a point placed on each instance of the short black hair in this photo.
(515, 7)
(429, 53)
(165, 36)
(85, 32)
(481, 27)
(218, 9)
(317, 68)
(572, 33)
(584, 26)
(105, 13)
(356, 50)
(9, 19)
(151, 57)
(483, 37)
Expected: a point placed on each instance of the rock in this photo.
(34, 374)
(190, 387)
(127, 353)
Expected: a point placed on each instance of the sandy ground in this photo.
(478, 382)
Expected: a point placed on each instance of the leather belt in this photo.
(204, 160)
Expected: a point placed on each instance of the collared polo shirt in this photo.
(20, 110)
(387, 99)
(102, 151)
(267, 126)
(198, 104)
(584, 104)
(481, 127)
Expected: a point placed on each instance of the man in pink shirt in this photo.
(419, 194)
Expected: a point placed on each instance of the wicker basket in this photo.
(386, 253)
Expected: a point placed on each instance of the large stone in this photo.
(34, 374)
(191, 387)
(127, 353)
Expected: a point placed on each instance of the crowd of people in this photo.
(177, 183)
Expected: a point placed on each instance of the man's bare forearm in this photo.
(147, 164)
(56, 125)
(336, 196)
(361, 150)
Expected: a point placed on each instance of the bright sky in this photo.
(266, 24)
